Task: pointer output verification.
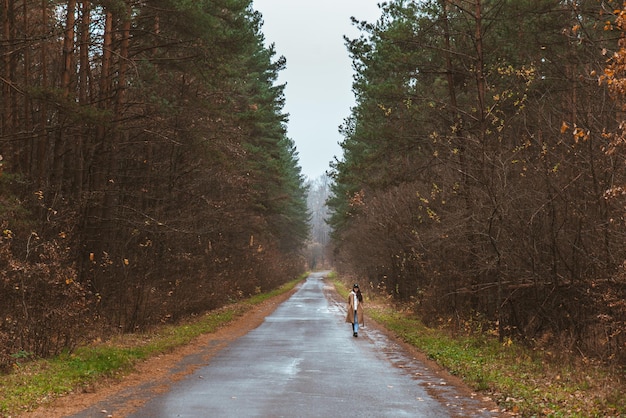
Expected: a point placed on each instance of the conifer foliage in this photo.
(144, 157)
(475, 169)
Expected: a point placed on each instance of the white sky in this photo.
(309, 34)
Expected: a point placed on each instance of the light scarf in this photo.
(356, 300)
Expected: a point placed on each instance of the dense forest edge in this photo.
(482, 182)
(146, 173)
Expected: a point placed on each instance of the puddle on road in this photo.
(293, 368)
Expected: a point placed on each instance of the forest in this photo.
(482, 181)
(146, 175)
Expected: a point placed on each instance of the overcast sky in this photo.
(309, 34)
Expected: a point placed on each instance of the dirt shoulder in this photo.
(159, 368)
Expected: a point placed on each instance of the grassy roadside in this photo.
(522, 381)
(37, 382)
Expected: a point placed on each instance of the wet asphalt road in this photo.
(304, 362)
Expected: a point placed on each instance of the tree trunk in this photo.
(83, 91)
(5, 116)
(27, 125)
(68, 48)
(61, 146)
(42, 139)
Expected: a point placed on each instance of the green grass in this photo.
(527, 382)
(34, 383)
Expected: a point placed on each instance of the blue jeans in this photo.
(355, 324)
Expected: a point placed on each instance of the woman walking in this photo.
(355, 309)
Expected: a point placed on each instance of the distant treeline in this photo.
(146, 173)
(484, 168)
